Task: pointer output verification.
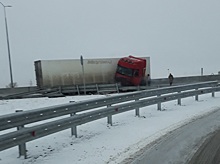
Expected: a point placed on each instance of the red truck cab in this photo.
(131, 71)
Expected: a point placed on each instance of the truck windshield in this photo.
(124, 71)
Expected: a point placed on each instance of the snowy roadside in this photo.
(99, 142)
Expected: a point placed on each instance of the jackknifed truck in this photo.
(126, 71)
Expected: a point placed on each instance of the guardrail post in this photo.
(159, 104)
(117, 87)
(74, 128)
(213, 92)
(137, 111)
(77, 88)
(109, 118)
(22, 147)
(97, 88)
(179, 99)
(60, 89)
(196, 96)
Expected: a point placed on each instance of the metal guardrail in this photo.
(64, 90)
(80, 114)
(27, 117)
(58, 91)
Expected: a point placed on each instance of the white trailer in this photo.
(51, 73)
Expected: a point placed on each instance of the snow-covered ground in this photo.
(99, 143)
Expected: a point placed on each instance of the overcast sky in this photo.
(179, 35)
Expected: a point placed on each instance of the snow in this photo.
(98, 142)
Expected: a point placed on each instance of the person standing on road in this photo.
(170, 77)
(148, 80)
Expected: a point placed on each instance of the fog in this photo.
(179, 36)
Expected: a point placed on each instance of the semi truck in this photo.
(68, 72)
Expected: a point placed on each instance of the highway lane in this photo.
(180, 145)
(209, 152)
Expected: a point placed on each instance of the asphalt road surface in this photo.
(197, 142)
(209, 152)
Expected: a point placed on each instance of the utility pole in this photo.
(9, 55)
